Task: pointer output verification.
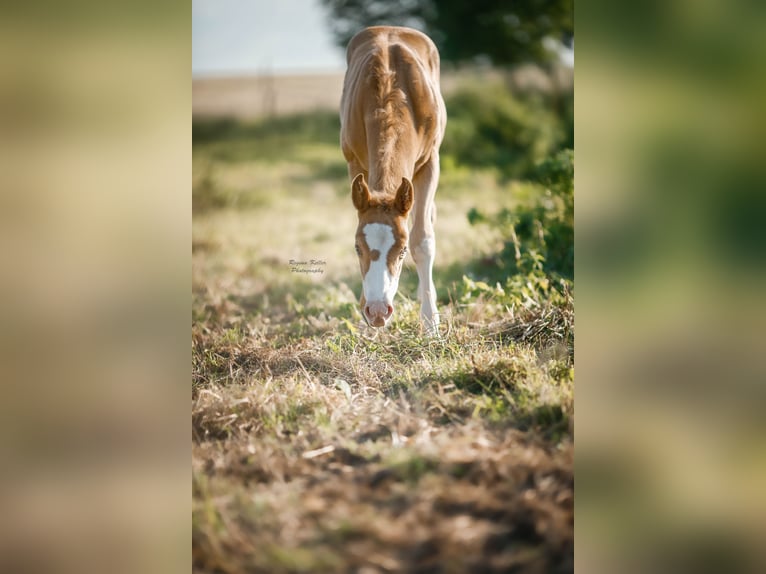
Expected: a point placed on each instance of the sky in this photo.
(231, 37)
(259, 36)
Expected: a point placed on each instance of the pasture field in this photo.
(322, 445)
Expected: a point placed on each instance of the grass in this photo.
(321, 445)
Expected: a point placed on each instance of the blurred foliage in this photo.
(267, 137)
(489, 126)
(539, 234)
(671, 269)
(222, 143)
(525, 136)
(503, 33)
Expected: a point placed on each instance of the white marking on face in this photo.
(378, 283)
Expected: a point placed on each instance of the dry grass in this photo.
(320, 445)
(250, 97)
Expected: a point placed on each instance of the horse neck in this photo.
(388, 165)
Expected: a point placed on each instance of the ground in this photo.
(322, 445)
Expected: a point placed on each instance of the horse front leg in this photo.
(423, 241)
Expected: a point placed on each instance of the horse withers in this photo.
(392, 124)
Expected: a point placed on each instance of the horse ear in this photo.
(403, 201)
(360, 193)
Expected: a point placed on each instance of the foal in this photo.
(392, 124)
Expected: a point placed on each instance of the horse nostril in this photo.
(367, 310)
(390, 311)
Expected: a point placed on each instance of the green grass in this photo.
(322, 445)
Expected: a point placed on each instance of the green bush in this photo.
(490, 127)
(539, 233)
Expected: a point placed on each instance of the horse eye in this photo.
(358, 251)
(403, 253)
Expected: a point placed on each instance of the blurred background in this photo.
(670, 250)
(94, 226)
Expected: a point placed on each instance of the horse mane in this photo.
(391, 104)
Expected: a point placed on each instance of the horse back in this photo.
(391, 97)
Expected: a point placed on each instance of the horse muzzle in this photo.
(378, 313)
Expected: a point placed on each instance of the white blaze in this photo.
(379, 285)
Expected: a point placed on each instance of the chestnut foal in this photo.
(392, 124)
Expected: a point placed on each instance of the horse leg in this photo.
(423, 240)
